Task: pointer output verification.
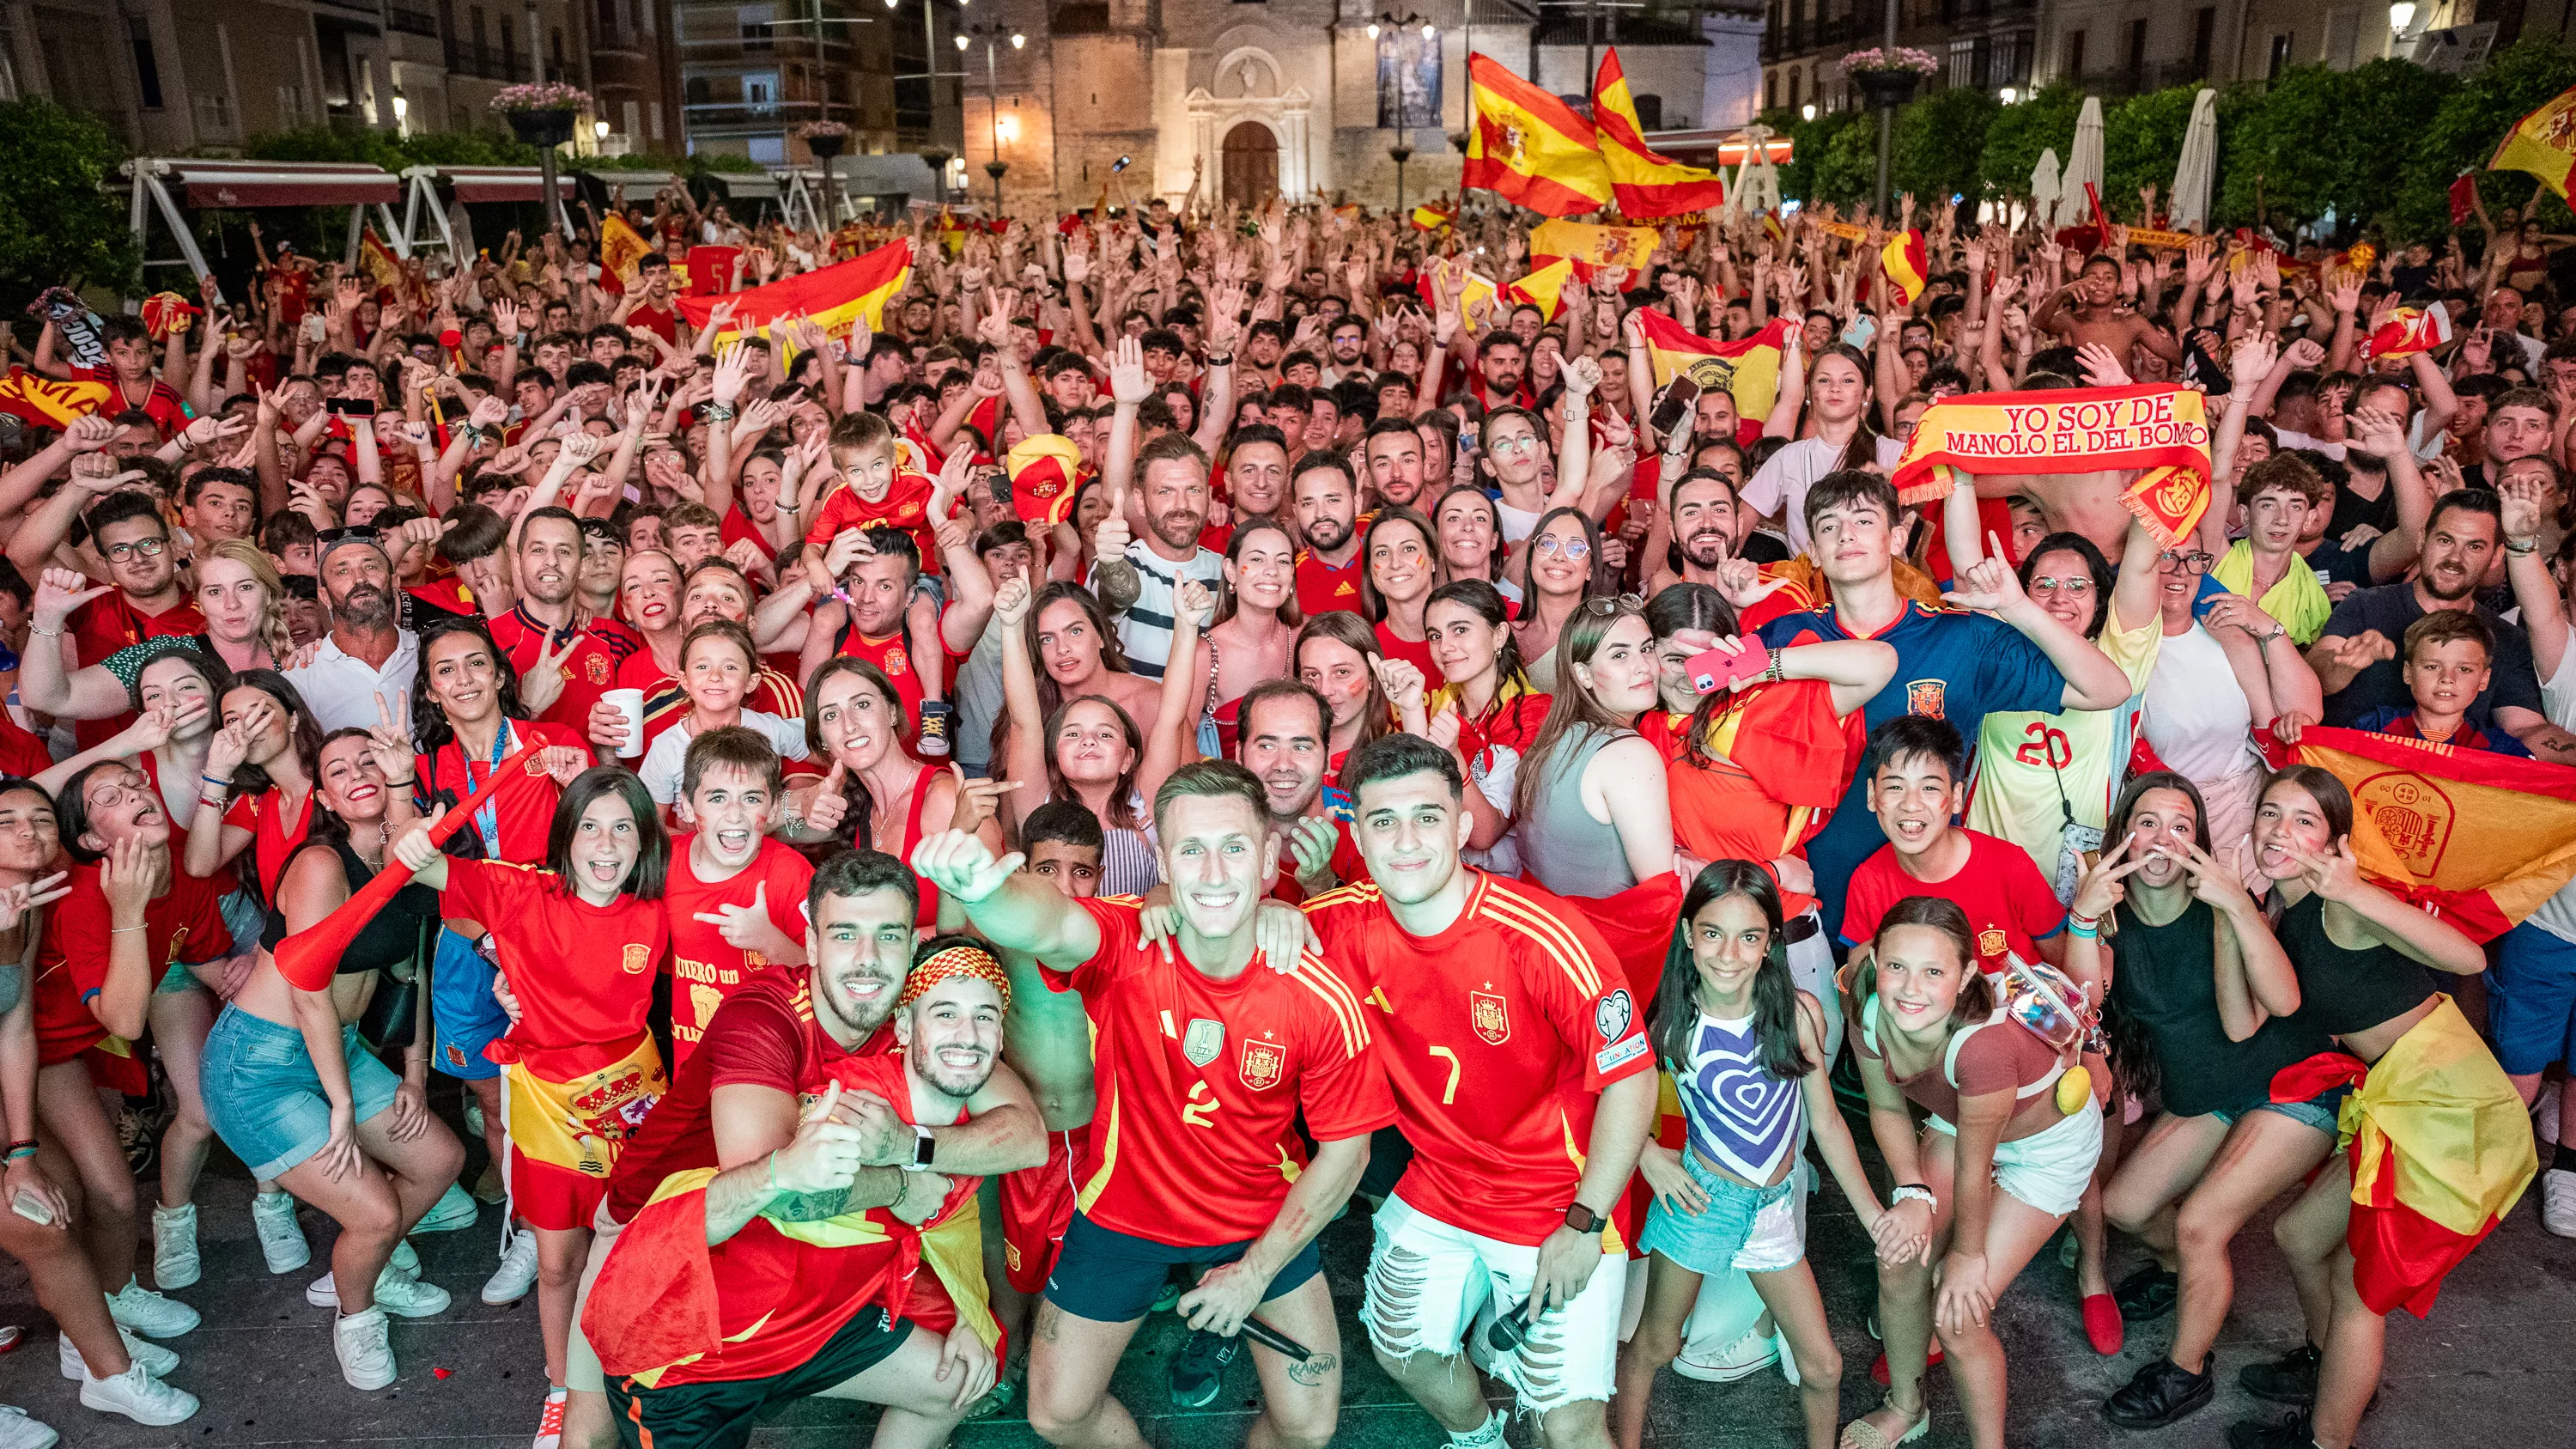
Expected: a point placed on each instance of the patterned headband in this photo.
(972, 961)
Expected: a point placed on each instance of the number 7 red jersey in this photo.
(1498, 1036)
(1199, 1084)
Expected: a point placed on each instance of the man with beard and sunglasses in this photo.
(811, 1115)
(2357, 658)
(367, 653)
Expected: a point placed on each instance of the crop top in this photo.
(390, 937)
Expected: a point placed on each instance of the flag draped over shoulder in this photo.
(621, 247)
(35, 398)
(1748, 370)
(2542, 143)
(1645, 184)
(833, 296)
(1530, 148)
(2476, 838)
(2155, 427)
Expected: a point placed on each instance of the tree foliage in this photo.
(2374, 149)
(59, 224)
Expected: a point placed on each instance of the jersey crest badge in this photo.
(598, 667)
(1612, 1016)
(1264, 1063)
(1926, 697)
(1486, 1013)
(637, 959)
(1990, 941)
(1203, 1041)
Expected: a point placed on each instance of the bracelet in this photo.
(2078, 918)
(2083, 933)
(1914, 1191)
(48, 633)
(719, 413)
(1771, 674)
(2522, 548)
(121, 930)
(24, 1147)
(1220, 359)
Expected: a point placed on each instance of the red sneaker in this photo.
(2102, 1324)
(1878, 1370)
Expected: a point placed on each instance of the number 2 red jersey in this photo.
(1200, 1082)
(1498, 1035)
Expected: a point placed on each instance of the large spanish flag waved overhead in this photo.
(1749, 369)
(36, 398)
(2478, 839)
(835, 296)
(1646, 184)
(2542, 143)
(1530, 148)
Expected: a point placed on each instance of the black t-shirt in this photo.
(1764, 548)
(2351, 510)
(2166, 982)
(2389, 609)
(2335, 564)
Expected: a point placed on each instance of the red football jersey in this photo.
(523, 816)
(1200, 1085)
(583, 974)
(1498, 1036)
(1416, 652)
(106, 624)
(590, 669)
(906, 506)
(185, 924)
(273, 837)
(704, 967)
(2010, 907)
(1323, 589)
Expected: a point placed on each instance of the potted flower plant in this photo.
(542, 113)
(1888, 76)
(826, 139)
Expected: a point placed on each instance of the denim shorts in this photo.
(1756, 1229)
(264, 1099)
(2319, 1111)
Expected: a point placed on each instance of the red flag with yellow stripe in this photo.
(834, 296)
(35, 398)
(1646, 184)
(621, 248)
(2542, 143)
(1530, 148)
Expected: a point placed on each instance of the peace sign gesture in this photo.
(543, 682)
(2221, 884)
(2335, 875)
(389, 739)
(2100, 888)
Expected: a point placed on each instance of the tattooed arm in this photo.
(788, 1167)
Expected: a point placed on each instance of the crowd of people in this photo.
(1248, 728)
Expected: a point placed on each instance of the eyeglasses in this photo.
(140, 548)
(2194, 562)
(1608, 607)
(1516, 443)
(1574, 550)
(2046, 585)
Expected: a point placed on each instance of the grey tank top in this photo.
(1562, 846)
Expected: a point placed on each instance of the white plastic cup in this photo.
(629, 704)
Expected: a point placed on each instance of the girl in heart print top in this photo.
(1745, 1048)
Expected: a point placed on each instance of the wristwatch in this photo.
(924, 1148)
(1220, 359)
(1583, 1219)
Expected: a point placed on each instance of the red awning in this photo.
(500, 183)
(204, 183)
(1725, 147)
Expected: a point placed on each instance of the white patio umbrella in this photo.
(2044, 187)
(2083, 164)
(2198, 169)
(1757, 181)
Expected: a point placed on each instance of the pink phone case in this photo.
(1715, 669)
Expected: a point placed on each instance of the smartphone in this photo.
(1467, 438)
(1861, 330)
(1714, 669)
(351, 407)
(31, 1207)
(1679, 401)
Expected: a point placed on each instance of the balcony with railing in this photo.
(489, 62)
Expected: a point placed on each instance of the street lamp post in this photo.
(1402, 153)
(992, 35)
(1886, 118)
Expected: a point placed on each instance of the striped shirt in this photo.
(1145, 630)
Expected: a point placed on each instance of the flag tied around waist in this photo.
(833, 296)
(308, 958)
(2476, 838)
(2159, 428)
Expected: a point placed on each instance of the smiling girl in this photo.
(1255, 633)
(718, 667)
(1403, 565)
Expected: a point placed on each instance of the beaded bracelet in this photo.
(22, 1148)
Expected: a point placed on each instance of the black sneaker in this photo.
(2289, 1433)
(2290, 1379)
(2147, 1294)
(935, 714)
(2162, 1392)
(1198, 1370)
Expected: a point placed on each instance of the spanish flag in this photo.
(834, 296)
(2542, 143)
(1529, 148)
(621, 247)
(2478, 839)
(1542, 289)
(1434, 218)
(1749, 369)
(383, 269)
(1908, 270)
(1589, 246)
(1645, 183)
(2410, 330)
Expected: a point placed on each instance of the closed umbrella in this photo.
(2044, 188)
(2083, 164)
(2198, 169)
(1757, 181)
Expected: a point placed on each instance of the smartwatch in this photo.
(1582, 1219)
(924, 1148)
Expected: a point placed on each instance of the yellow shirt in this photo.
(2032, 769)
(2298, 601)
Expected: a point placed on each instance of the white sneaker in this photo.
(473, 1115)
(1748, 1355)
(518, 1271)
(174, 1247)
(2558, 1201)
(148, 1313)
(156, 1360)
(454, 1210)
(17, 1431)
(2544, 1117)
(138, 1396)
(550, 1422)
(405, 1259)
(281, 1238)
(396, 1292)
(365, 1350)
